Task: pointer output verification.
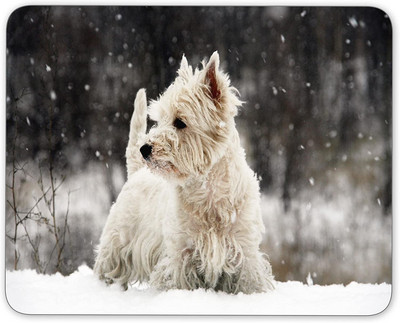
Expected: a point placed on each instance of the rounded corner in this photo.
(386, 306)
(16, 11)
(12, 307)
(384, 13)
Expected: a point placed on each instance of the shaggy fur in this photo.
(189, 215)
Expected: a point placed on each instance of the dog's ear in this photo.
(211, 77)
(185, 71)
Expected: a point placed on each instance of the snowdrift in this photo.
(82, 293)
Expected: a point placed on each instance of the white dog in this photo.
(189, 215)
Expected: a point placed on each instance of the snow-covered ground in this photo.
(82, 293)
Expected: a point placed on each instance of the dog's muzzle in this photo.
(145, 150)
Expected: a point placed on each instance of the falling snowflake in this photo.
(353, 22)
(53, 95)
(332, 134)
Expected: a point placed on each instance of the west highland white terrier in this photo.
(189, 214)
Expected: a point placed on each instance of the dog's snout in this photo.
(146, 151)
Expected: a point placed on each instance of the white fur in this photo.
(189, 216)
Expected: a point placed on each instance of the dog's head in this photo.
(195, 120)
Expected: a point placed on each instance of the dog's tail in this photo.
(134, 160)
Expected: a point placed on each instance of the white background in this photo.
(391, 7)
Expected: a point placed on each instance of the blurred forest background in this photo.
(316, 126)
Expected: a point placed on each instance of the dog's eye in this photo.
(179, 124)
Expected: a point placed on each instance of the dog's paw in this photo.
(108, 281)
(124, 287)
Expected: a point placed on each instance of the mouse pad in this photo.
(198, 160)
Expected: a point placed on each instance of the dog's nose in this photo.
(145, 151)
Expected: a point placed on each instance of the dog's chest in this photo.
(209, 204)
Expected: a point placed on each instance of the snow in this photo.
(309, 280)
(53, 95)
(82, 293)
(353, 22)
